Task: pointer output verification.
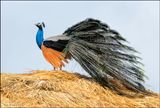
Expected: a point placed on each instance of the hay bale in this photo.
(63, 89)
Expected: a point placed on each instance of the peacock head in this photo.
(40, 25)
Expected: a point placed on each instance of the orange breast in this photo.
(54, 57)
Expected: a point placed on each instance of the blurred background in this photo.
(138, 22)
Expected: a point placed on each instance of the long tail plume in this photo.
(102, 52)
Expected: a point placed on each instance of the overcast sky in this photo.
(138, 22)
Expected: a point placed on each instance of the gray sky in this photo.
(138, 22)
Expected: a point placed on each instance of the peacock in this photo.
(100, 51)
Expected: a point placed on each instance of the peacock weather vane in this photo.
(98, 49)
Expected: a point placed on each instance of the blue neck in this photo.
(39, 37)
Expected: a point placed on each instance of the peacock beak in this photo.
(36, 24)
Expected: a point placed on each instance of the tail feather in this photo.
(103, 54)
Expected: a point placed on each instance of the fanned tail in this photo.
(102, 53)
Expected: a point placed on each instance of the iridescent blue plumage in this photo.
(39, 37)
